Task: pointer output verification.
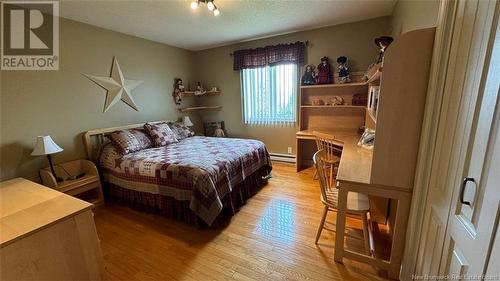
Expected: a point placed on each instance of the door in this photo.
(458, 225)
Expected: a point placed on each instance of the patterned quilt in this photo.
(200, 169)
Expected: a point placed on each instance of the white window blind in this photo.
(270, 94)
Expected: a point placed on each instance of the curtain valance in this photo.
(270, 55)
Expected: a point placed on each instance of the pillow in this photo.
(181, 130)
(161, 134)
(127, 141)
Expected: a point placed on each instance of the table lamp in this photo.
(186, 121)
(46, 146)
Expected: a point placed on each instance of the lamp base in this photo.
(58, 179)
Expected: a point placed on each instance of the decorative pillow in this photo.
(181, 130)
(161, 134)
(127, 141)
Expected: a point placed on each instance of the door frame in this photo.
(428, 140)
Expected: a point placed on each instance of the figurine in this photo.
(343, 70)
(325, 72)
(337, 100)
(309, 77)
(199, 90)
(383, 42)
(178, 90)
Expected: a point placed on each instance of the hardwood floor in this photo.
(270, 238)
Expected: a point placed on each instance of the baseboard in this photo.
(282, 157)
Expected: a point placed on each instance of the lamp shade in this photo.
(45, 145)
(186, 121)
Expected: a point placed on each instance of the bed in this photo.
(197, 180)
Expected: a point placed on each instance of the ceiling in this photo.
(175, 23)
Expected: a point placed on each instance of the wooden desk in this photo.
(349, 181)
(46, 235)
(354, 174)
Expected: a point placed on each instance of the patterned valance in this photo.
(270, 55)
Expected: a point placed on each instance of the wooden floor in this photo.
(270, 238)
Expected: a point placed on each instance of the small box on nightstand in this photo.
(81, 180)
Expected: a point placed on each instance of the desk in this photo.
(354, 174)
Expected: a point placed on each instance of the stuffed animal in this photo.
(343, 70)
(309, 77)
(178, 90)
(324, 72)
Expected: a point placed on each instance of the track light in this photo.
(210, 6)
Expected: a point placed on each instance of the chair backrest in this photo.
(331, 147)
(324, 180)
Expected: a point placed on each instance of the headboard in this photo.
(94, 140)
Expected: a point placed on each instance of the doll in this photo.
(309, 77)
(324, 72)
(199, 90)
(178, 90)
(343, 70)
(383, 42)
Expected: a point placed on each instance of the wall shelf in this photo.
(200, 108)
(208, 93)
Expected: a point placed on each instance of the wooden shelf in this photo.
(200, 108)
(333, 106)
(371, 115)
(375, 77)
(208, 93)
(359, 84)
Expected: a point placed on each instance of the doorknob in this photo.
(462, 190)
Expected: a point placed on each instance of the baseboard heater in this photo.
(282, 157)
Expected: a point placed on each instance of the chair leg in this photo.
(331, 175)
(315, 176)
(366, 234)
(321, 224)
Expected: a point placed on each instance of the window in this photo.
(270, 94)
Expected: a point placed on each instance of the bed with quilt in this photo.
(164, 168)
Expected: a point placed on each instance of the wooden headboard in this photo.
(94, 140)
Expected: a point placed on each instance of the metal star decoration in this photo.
(117, 87)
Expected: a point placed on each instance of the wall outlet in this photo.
(289, 150)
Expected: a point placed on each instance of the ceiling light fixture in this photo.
(210, 6)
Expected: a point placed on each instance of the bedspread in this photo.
(200, 169)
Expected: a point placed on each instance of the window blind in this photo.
(270, 94)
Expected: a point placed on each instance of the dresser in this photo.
(46, 234)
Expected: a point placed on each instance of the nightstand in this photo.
(86, 187)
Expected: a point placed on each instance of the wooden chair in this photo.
(357, 203)
(332, 150)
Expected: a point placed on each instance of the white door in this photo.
(463, 198)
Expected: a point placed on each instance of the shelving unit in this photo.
(329, 117)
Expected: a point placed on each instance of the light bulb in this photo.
(194, 5)
(210, 5)
(216, 12)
